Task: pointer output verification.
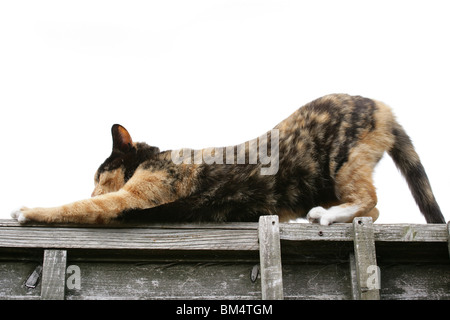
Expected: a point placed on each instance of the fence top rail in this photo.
(207, 236)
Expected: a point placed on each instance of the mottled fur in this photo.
(327, 152)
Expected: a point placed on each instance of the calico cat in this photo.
(320, 167)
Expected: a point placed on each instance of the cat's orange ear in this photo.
(122, 141)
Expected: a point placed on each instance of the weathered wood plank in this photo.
(353, 278)
(365, 258)
(448, 237)
(316, 281)
(316, 232)
(205, 280)
(409, 232)
(382, 232)
(54, 275)
(201, 261)
(135, 238)
(229, 236)
(270, 258)
(176, 280)
(13, 275)
(130, 225)
(415, 281)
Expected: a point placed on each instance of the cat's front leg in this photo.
(146, 189)
(48, 215)
(19, 215)
(97, 210)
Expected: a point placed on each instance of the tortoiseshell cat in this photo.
(321, 163)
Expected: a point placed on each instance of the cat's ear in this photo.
(122, 141)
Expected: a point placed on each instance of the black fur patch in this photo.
(129, 160)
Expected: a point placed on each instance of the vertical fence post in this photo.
(270, 258)
(354, 283)
(54, 275)
(367, 271)
(448, 237)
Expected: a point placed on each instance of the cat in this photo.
(321, 162)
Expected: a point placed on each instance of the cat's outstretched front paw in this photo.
(19, 215)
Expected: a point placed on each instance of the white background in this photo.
(209, 73)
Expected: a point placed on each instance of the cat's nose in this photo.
(95, 193)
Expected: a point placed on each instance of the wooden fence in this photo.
(265, 260)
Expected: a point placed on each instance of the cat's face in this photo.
(108, 181)
(120, 166)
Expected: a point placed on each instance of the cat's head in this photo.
(120, 166)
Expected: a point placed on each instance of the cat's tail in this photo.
(408, 162)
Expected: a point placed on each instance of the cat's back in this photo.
(331, 116)
(320, 134)
(332, 108)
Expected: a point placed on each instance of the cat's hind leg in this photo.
(356, 193)
(338, 214)
(353, 185)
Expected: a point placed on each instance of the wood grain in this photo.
(270, 258)
(215, 261)
(54, 275)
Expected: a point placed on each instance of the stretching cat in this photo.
(317, 164)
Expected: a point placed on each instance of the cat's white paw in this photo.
(320, 215)
(315, 214)
(19, 215)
